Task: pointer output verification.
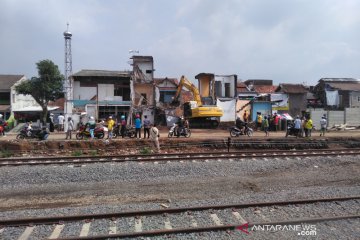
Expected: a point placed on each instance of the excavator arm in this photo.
(184, 82)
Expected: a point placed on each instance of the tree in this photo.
(47, 87)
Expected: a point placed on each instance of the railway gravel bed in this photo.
(108, 187)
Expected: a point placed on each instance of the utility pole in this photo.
(68, 88)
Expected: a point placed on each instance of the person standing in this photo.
(297, 126)
(147, 125)
(246, 116)
(265, 125)
(259, 120)
(2, 124)
(110, 126)
(70, 128)
(323, 123)
(276, 121)
(123, 126)
(92, 125)
(51, 122)
(308, 126)
(154, 135)
(137, 126)
(61, 120)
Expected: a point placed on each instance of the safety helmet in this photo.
(137, 115)
(92, 118)
(122, 117)
(1, 115)
(110, 116)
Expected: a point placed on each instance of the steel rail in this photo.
(60, 219)
(211, 228)
(175, 157)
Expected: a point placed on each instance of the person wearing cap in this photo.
(137, 126)
(91, 123)
(323, 124)
(70, 128)
(123, 126)
(110, 126)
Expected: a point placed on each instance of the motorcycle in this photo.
(292, 131)
(174, 131)
(83, 132)
(236, 132)
(41, 134)
(2, 128)
(129, 131)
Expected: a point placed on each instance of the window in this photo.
(148, 71)
(358, 98)
(227, 90)
(124, 91)
(218, 90)
(166, 96)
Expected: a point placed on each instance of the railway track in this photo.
(183, 220)
(209, 156)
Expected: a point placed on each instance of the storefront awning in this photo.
(35, 109)
(4, 108)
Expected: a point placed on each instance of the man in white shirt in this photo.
(154, 135)
(61, 120)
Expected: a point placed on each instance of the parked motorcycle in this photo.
(291, 130)
(129, 131)
(83, 132)
(236, 132)
(38, 133)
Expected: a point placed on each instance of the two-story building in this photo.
(101, 93)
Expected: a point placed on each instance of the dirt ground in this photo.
(57, 145)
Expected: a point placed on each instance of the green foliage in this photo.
(145, 151)
(93, 153)
(47, 87)
(5, 154)
(77, 153)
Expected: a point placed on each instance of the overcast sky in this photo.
(288, 41)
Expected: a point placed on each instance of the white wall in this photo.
(83, 93)
(19, 101)
(106, 92)
(226, 79)
(229, 108)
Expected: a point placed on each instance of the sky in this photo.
(288, 41)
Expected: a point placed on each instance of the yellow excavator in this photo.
(199, 115)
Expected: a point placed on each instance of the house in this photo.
(255, 97)
(24, 107)
(7, 83)
(220, 90)
(294, 96)
(102, 93)
(338, 93)
(143, 86)
(167, 88)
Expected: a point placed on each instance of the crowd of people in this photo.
(303, 125)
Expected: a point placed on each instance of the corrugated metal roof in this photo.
(7, 81)
(161, 80)
(102, 73)
(264, 88)
(292, 88)
(346, 86)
